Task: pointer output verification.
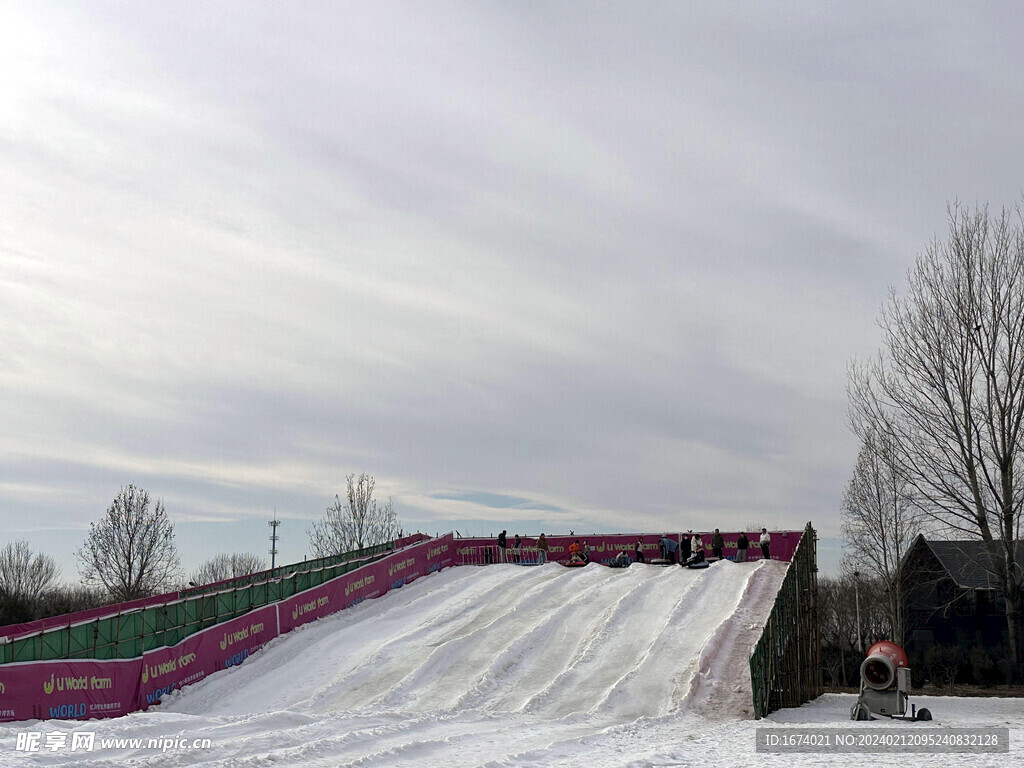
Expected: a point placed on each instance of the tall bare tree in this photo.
(948, 387)
(130, 552)
(225, 566)
(23, 576)
(880, 520)
(356, 522)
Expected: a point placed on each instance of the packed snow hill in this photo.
(497, 665)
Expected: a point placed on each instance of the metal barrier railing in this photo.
(785, 667)
(492, 554)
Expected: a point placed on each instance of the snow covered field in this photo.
(506, 666)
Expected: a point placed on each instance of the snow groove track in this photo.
(499, 665)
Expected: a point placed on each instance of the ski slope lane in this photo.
(548, 641)
(497, 665)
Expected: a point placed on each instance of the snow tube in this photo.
(701, 564)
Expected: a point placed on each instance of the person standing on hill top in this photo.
(585, 552)
(685, 548)
(517, 547)
(766, 540)
(638, 551)
(741, 548)
(717, 544)
(542, 550)
(671, 547)
(502, 545)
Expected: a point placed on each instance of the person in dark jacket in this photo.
(717, 544)
(517, 547)
(741, 548)
(684, 548)
(542, 549)
(502, 546)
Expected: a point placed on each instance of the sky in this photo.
(535, 266)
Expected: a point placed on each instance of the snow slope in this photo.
(500, 665)
(546, 642)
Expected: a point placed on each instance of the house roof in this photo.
(973, 564)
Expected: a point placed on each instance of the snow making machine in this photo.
(885, 685)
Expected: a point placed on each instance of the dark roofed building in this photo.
(954, 595)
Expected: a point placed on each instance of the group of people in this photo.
(689, 550)
(691, 547)
(504, 556)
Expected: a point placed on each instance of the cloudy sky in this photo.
(543, 266)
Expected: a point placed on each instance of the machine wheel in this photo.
(924, 714)
(861, 713)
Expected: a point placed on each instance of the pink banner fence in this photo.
(603, 548)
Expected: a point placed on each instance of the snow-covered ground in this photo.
(506, 666)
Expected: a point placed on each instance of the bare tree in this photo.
(131, 551)
(840, 599)
(880, 520)
(948, 387)
(225, 566)
(355, 523)
(24, 577)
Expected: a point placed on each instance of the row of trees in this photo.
(131, 553)
(940, 412)
(854, 613)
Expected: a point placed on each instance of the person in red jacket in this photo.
(574, 552)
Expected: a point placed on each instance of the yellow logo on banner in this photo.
(398, 567)
(48, 687)
(145, 672)
(352, 586)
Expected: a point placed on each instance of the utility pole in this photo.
(273, 539)
(856, 597)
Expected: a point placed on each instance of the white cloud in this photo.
(612, 262)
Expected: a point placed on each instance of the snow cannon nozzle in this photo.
(878, 670)
(885, 685)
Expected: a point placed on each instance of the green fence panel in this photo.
(104, 638)
(785, 667)
(55, 644)
(81, 640)
(130, 634)
(176, 619)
